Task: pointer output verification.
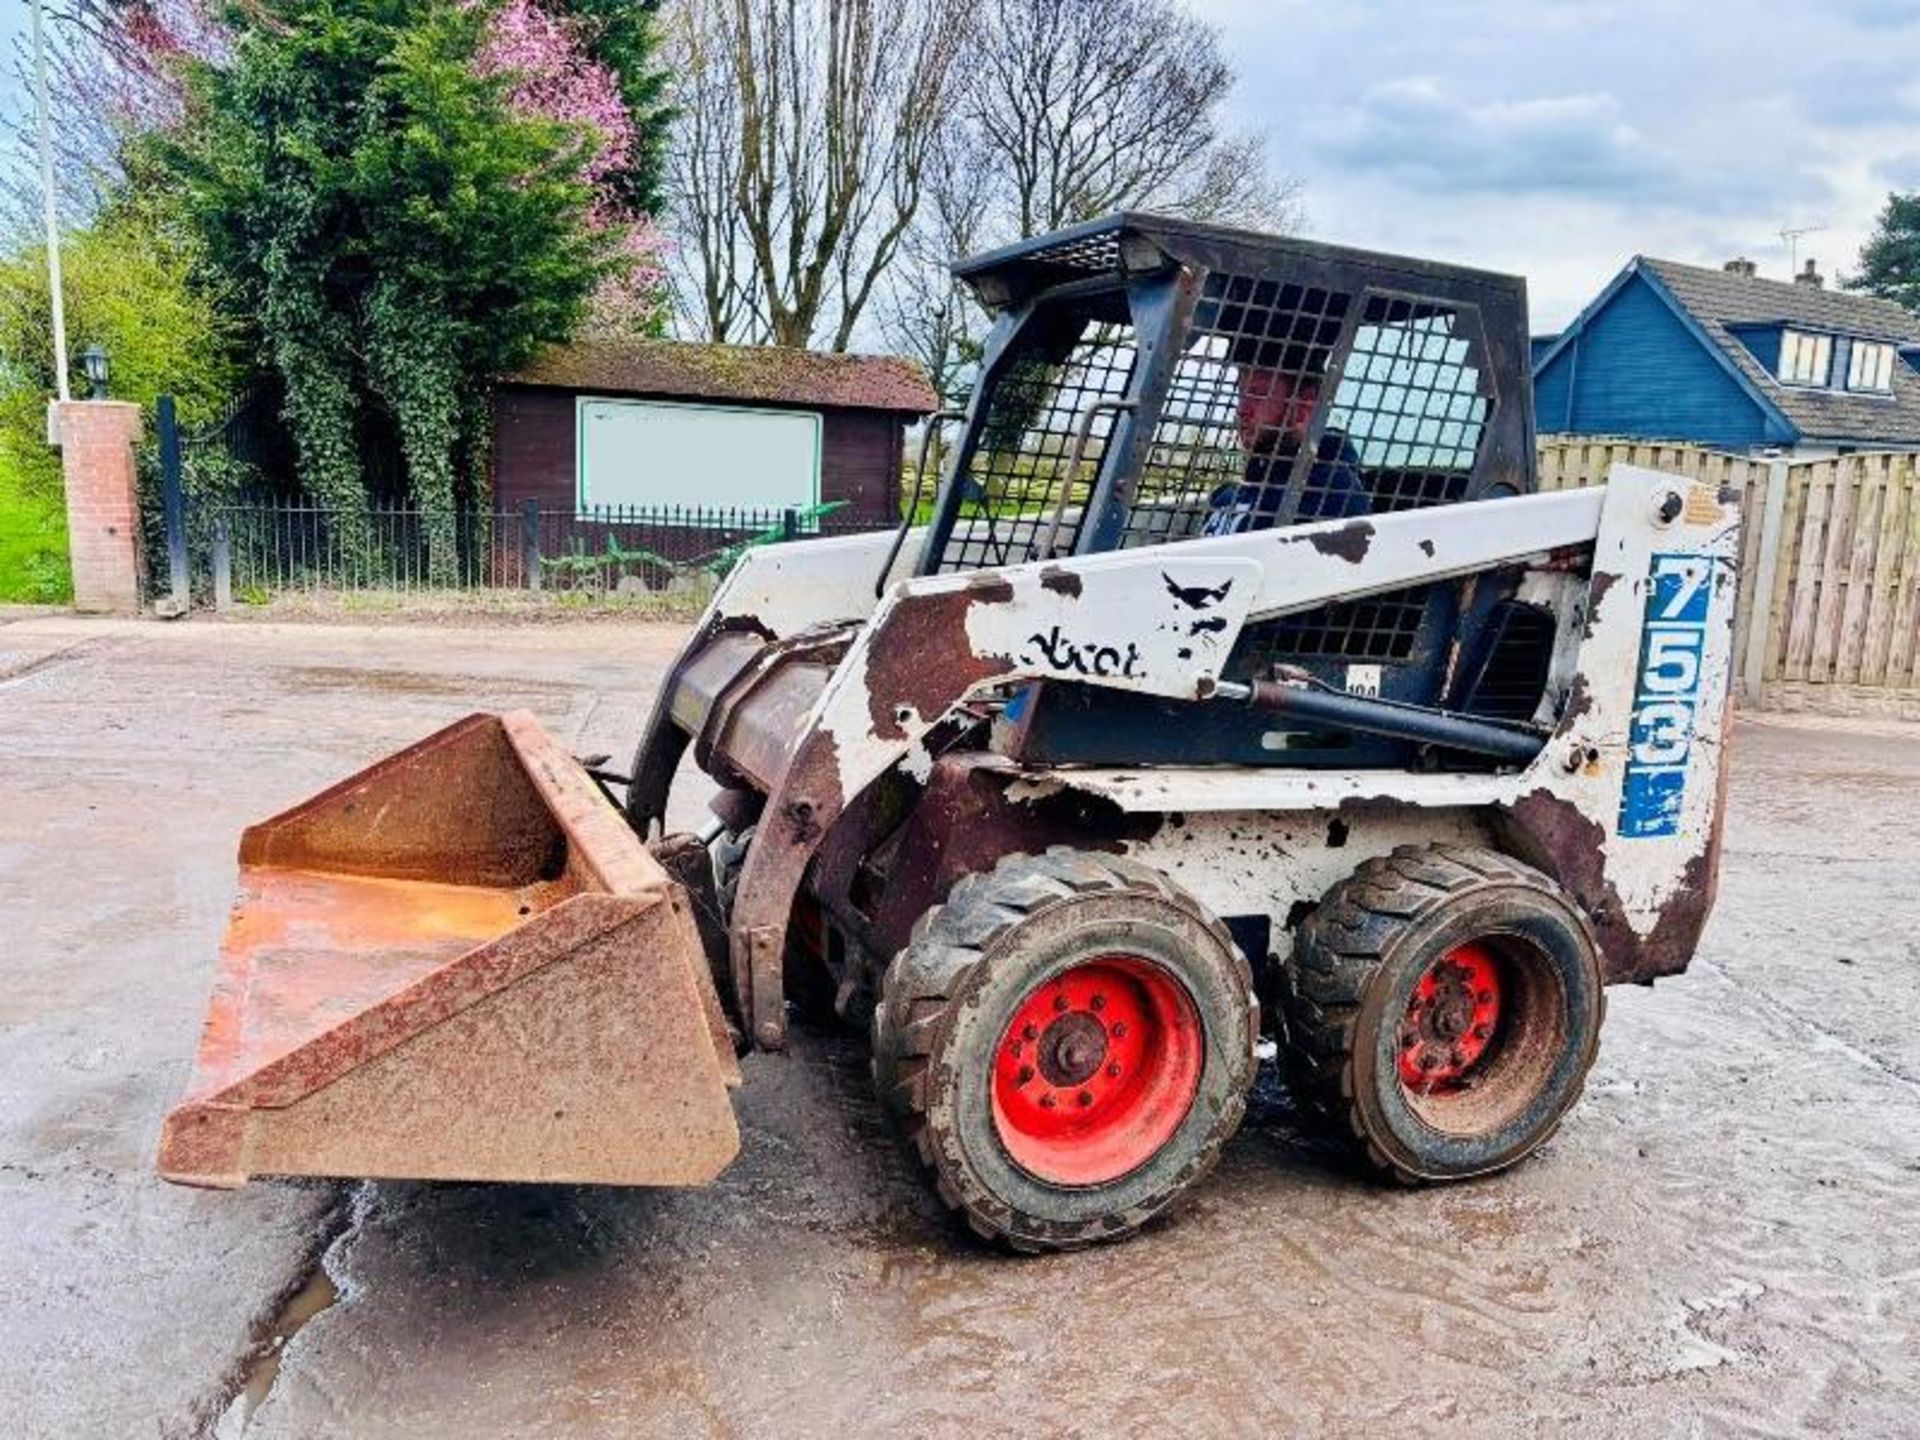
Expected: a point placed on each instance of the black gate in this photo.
(247, 441)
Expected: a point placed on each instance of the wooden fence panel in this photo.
(1896, 491)
(1824, 644)
(1787, 554)
(1842, 624)
(1850, 626)
(1868, 486)
(1807, 546)
(1752, 480)
(1901, 656)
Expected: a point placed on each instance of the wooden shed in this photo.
(657, 423)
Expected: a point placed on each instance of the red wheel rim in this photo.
(1096, 1070)
(1452, 1022)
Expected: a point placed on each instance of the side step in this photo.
(458, 964)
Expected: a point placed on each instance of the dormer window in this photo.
(1870, 367)
(1805, 359)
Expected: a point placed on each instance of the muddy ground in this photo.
(1724, 1237)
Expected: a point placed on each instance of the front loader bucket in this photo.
(459, 964)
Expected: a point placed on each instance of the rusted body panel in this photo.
(1126, 620)
(960, 823)
(458, 964)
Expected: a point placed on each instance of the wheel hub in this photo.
(1452, 1020)
(1096, 1070)
(1071, 1049)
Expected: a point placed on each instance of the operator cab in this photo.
(1151, 380)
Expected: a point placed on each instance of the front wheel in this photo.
(1068, 1042)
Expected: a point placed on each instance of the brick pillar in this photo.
(103, 509)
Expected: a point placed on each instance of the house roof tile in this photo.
(762, 373)
(1719, 299)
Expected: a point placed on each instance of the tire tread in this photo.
(1340, 948)
(945, 945)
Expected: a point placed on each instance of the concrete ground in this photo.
(1723, 1238)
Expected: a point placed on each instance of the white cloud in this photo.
(1422, 131)
(1556, 138)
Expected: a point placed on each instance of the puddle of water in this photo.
(13, 669)
(408, 682)
(263, 1369)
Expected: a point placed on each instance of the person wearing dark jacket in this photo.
(1275, 417)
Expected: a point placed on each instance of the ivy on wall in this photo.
(398, 224)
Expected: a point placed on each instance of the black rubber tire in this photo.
(1355, 963)
(948, 996)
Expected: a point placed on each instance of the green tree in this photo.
(624, 35)
(400, 230)
(1890, 262)
(129, 289)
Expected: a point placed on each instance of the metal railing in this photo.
(264, 548)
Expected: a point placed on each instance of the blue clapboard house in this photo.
(1726, 359)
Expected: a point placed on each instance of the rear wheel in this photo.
(1443, 1008)
(1067, 1042)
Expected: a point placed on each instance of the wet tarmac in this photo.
(1724, 1238)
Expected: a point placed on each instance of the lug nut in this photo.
(1482, 1032)
(1086, 1097)
(1485, 997)
(1030, 1032)
(1119, 1029)
(1113, 1071)
(1060, 1002)
(1026, 1074)
(1046, 1101)
(1099, 1002)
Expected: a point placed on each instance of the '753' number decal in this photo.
(1666, 698)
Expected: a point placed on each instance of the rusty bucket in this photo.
(459, 964)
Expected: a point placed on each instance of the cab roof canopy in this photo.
(1136, 243)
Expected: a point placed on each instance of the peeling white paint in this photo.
(1127, 620)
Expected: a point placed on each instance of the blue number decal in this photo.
(1667, 694)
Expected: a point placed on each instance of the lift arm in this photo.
(1158, 620)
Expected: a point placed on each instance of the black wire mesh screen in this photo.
(1291, 402)
(1379, 629)
(1242, 442)
(1250, 438)
(1231, 428)
(1095, 254)
(1018, 497)
(1406, 417)
(1411, 405)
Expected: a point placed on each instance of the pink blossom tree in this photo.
(118, 75)
(555, 77)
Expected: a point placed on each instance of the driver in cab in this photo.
(1276, 411)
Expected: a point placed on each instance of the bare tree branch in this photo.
(923, 312)
(1072, 109)
(806, 132)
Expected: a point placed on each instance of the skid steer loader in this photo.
(1240, 682)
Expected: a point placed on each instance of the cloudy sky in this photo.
(1556, 138)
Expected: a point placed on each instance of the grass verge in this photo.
(33, 543)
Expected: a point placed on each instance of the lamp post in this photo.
(95, 360)
(51, 207)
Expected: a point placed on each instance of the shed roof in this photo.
(749, 373)
(1719, 299)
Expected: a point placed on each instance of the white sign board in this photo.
(654, 453)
